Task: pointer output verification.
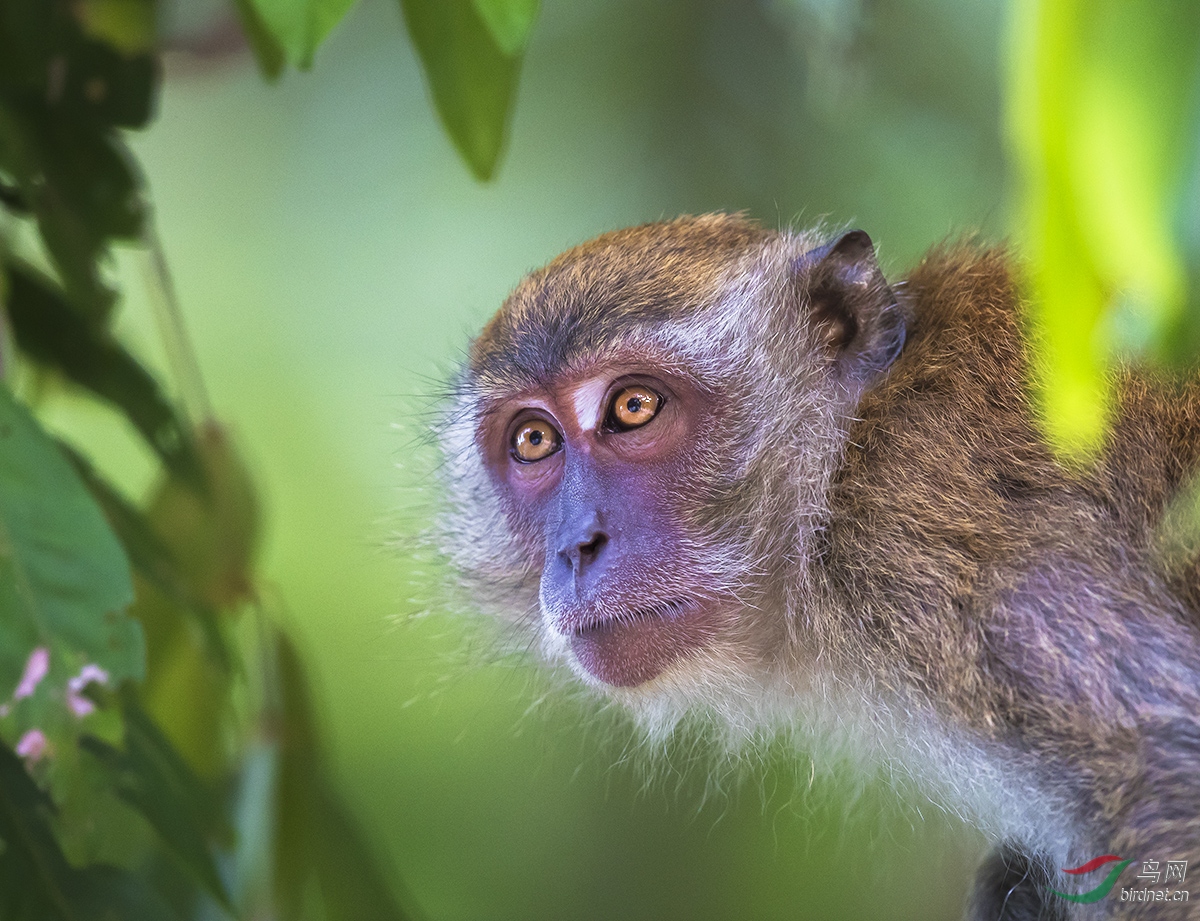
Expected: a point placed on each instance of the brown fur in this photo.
(947, 478)
(640, 274)
(948, 496)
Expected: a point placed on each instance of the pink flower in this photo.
(79, 704)
(32, 745)
(36, 668)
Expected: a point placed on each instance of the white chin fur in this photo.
(848, 730)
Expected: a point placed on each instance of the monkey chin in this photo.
(634, 648)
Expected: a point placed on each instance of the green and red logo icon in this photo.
(1095, 895)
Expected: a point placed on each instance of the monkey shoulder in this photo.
(954, 527)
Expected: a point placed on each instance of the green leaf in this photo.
(267, 52)
(315, 834)
(37, 883)
(73, 244)
(154, 561)
(472, 79)
(324, 16)
(151, 558)
(81, 188)
(153, 778)
(103, 89)
(28, 34)
(299, 26)
(48, 330)
(12, 199)
(62, 95)
(215, 534)
(49, 64)
(126, 25)
(64, 580)
(509, 21)
(1101, 114)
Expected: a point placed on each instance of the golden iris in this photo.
(534, 440)
(633, 406)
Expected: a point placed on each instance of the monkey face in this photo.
(596, 470)
(642, 426)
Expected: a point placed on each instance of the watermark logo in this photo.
(1153, 873)
(1095, 895)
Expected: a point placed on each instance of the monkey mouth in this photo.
(637, 646)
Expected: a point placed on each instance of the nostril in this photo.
(579, 540)
(592, 548)
(582, 553)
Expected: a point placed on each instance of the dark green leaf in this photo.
(353, 885)
(12, 199)
(148, 554)
(29, 33)
(48, 62)
(73, 244)
(62, 95)
(108, 894)
(89, 176)
(82, 190)
(155, 780)
(64, 580)
(102, 88)
(297, 811)
(472, 80)
(48, 330)
(37, 883)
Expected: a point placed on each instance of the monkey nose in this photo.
(581, 551)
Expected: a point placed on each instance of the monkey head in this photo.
(638, 431)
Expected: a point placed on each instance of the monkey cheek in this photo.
(628, 653)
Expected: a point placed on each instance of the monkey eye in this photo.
(632, 407)
(534, 440)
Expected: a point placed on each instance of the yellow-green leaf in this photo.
(1100, 116)
(299, 26)
(510, 22)
(127, 25)
(267, 51)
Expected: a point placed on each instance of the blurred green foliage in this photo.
(471, 50)
(125, 756)
(1104, 116)
(472, 54)
(66, 582)
(167, 760)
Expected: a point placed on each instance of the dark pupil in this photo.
(634, 405)
(535, 438)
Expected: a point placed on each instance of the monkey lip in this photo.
(636, 647)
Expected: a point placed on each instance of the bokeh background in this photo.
(333, 256)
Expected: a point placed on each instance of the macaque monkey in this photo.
(721, 469)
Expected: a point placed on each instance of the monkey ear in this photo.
(852, 308)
